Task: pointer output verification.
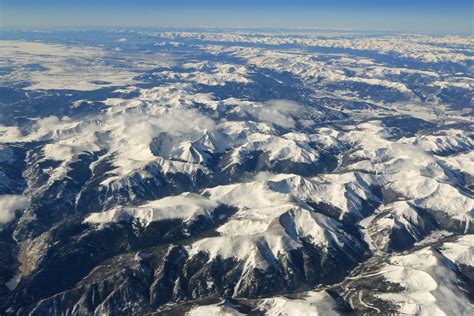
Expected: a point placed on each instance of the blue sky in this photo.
(421, 16)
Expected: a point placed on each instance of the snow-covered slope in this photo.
(186, 207)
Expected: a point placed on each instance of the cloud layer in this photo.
(9, 204)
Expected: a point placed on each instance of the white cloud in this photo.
(278, 112)
(9, 204)
(48, 122)
(142, 127)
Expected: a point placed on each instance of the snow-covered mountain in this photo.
(230, 173)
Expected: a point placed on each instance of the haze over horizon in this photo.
(421, 16)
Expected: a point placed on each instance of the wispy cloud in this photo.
(9, 204)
